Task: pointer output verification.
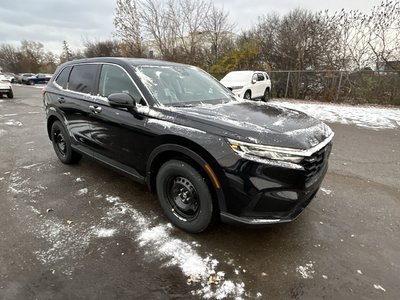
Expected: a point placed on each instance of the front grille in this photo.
(314, 164)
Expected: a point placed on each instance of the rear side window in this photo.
(82, 78)
(62, 78)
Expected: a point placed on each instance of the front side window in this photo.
(113, 79)
(182, 85)
(82, 78)
(260, 77)
(62, 78)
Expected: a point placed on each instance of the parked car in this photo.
(36, 79)
(18, 77)
(248, 84)
(6, 87)
(207, 154)
(9, 76)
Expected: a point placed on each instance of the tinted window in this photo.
(82, 78)
(62, 78)
(113, 79)
(260, 77)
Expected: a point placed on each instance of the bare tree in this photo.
(159, 27)
(188, 17)
(102, 48)
(10, 58)
(384, 27)
(127, 22)
(218, 30)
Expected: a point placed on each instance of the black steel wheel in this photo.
(184, 196)
(247, 95)
(62, 144)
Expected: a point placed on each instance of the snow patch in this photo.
(307, 271)
(159, 243)
(64, 242)
(363, 116)
(105, 232)
(13, 122)
(81, 192)
(379, 287)
(326, 191)
(2, 132)
(79, 179)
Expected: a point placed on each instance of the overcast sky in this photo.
(52, 21)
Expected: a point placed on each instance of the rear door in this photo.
(261, 84)
(74, 101)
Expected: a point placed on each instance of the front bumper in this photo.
(260, 194)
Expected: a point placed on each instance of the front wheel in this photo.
(247, 95)
(184, 196)
(62, 144)
(10, 94)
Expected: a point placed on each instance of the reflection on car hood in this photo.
(254, 122)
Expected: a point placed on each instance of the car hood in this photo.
(5, 85)
(233, 83)
(254, 122)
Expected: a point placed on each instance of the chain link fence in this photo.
(367, 86)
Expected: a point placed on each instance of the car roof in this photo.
(128, 60)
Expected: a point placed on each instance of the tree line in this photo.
(200, 33)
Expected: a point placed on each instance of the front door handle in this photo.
(95, 109)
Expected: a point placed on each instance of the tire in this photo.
(265, 98)
(10, 95)
(184, 196)
(247, 95)
(62, 145)
(31, 82)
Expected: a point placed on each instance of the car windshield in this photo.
(182, 85)
(238, 76)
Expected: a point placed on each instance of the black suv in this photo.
(207, 154)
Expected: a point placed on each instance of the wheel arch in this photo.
(248, 90)
(192, 153)
(50, 122)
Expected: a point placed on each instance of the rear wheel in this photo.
(62, 144)
(265, 98)
(247, 95)
(184, 196)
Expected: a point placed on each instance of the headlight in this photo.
(269, 152)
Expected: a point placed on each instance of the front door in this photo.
(119, 138)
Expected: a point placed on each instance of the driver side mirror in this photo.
(122, 100)
(253, 81)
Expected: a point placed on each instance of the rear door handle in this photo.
(61, 100)
(95, 109)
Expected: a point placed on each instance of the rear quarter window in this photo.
(62, 78)
(82, 78)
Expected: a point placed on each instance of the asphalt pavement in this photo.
(86, 232)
